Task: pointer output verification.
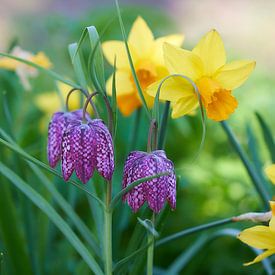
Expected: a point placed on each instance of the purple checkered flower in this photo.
(86, 147)
(156, 191)
(58, 124)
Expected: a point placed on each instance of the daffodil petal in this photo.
(141, 38)
(261, 257)
(258, 236)
(116, 49)
(174, 39)
(234, 74)
(184, 106)
(270, 172)
(172, 89)
(124, 85)
(179, 61)
(211, 51)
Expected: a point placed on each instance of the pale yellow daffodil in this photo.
(51, 102)
(261, 237)
(270, 172)
(206, 66)
(25, 71)
(147, 55)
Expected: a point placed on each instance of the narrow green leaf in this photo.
(148, 225)
(12, 235)
(95, 63)
(80, 71)
(44, 206)
(26, 156)
(68, 210)
(125, 260)
(268, 138)
(114, 100)
(131, 62)
(50, 73)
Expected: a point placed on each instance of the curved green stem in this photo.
(256, 180)
(163, 125)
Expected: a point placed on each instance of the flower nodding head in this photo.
(156, 191)
(86, 147)
(58, 124)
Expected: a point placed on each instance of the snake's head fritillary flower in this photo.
(86, 147)
(206, 66)
(147, 56)
(58, 124)
(156, 191)
(261, 237)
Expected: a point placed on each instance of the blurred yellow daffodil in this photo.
(261, 237)
(147, 55)
(206, 66)
(51, 102)
(270, 172)
(25, 71)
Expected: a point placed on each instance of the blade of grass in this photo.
(80, 72)
(51, 73)
(131, 62)
(114, 100)
(68, 210)
(268, 138)
(12, 234)
(96, 58)
(26, 156)
(43, 205)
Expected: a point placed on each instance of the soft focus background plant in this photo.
(213, 186)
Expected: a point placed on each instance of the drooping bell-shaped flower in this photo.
(86, 147)
(58, 124)
(156, 191)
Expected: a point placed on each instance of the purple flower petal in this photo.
(84, 152)
(104, 149)
(132, 157)
(67, 156)
(156, 191)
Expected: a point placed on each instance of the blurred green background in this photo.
(214, 185)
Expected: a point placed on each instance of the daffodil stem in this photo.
(150, 250)
(163, 125)
(108, 231)
(195, 229)
(258, 184)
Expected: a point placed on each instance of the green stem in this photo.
(163, 126)
(194, 230)
(108, 231)
(150, 250)
(256, 180)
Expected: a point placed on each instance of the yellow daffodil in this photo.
(206, 66)
(261, 237)
(270, 172)
(147, 55)
(22, 70)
